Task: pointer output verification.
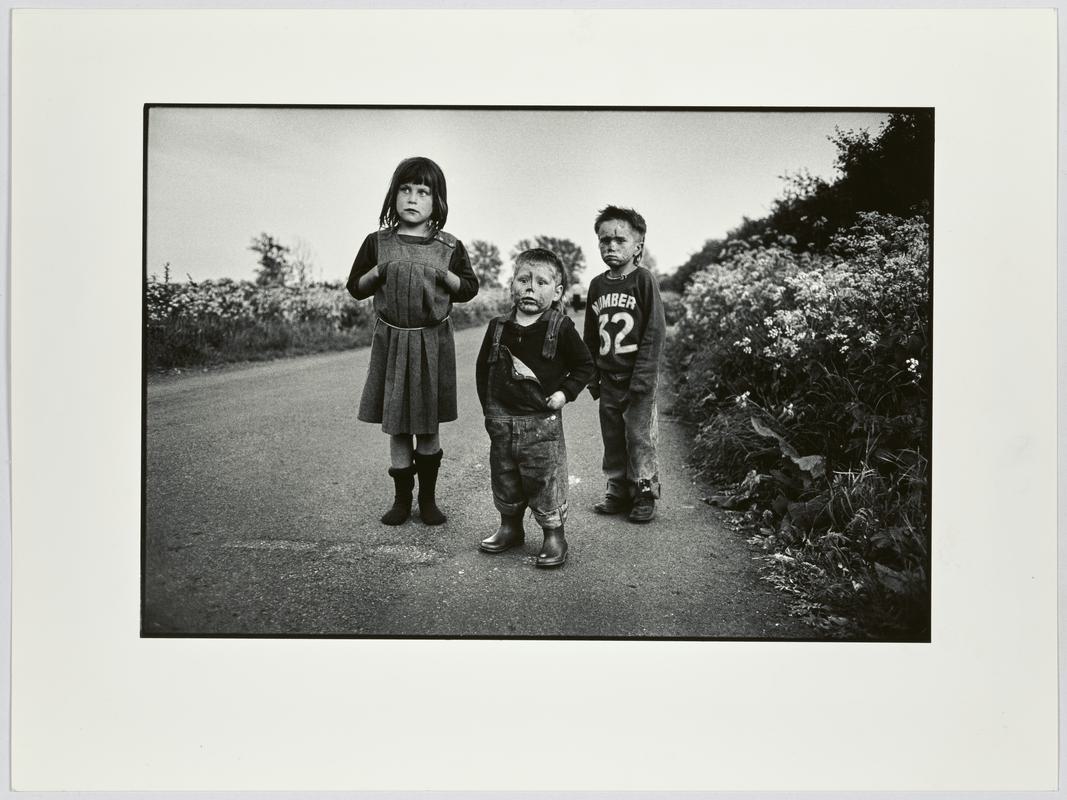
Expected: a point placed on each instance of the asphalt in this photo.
(263, 494)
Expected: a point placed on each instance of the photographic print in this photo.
(638, 373)
(598, 350)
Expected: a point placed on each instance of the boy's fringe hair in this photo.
(539, 255)
(627, 215)
(417, 170)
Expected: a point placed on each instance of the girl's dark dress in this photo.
(411, 382)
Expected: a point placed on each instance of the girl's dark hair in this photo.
(543, 257)
(417, 170)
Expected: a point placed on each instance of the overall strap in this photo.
(387, 245)
(446, 239)
(496, 331)
(555, 322)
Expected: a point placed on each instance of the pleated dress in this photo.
(411, 381)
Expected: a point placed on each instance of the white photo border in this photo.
(96, 707)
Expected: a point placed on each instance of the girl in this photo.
(415, 271)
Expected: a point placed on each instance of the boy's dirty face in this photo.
(535, 287)
(619, 243)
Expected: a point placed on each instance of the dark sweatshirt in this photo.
(568, 372)
(625, 329)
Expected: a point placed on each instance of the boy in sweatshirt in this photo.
(624, 330)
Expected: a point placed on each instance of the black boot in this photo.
(644, 502)
(509, 534)
(554, 550)
(404, 481)
(427, 467)
(612, 504)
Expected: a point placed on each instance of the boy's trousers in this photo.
(628, 426)
(528, 466)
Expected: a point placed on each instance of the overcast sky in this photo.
(217, 177)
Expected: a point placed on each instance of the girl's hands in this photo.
(450, 280)
(371, 279)
(556, 401)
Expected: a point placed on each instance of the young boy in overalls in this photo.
(531, 363)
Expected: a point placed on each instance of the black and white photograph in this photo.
(538, 372)
(667, 396)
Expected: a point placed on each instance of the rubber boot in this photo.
(427, 467)
(554, 549)
(404, 483)
(509, 534)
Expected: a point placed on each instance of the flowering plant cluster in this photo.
(807, 375)
(814, 340)
(190, 323)
(225, 300)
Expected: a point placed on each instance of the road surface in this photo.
(263, 493)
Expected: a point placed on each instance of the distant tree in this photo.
(485, 261)
(890, 172)
(706, 255)
(569, 253)
(302, 261)
(274, 267)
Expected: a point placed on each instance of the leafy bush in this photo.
(488, 303)
(890, 172)
(807, 375)
(673, 309)
(191, 324)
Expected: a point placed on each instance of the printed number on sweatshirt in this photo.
(605, 338)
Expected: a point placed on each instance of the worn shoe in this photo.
(404, 484)
(612, 504)
(509, 534)
(427, 466)
(644, 510)
(554, 549)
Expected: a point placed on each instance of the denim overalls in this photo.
(527, 453)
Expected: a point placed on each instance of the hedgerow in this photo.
(807, 377)
(214, 321)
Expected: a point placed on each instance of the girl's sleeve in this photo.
(366, 259)
(460, 264)
(576, 358)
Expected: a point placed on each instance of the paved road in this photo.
(262, 502)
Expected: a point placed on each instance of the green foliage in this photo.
(673, 308)
(803, 359)
(890, 173)
(807, 376)
(192, 324)
(569, 253)
(486, 262)
(488, 303)
(274, 267)
(705, 256)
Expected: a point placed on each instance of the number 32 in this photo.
(605, 338)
